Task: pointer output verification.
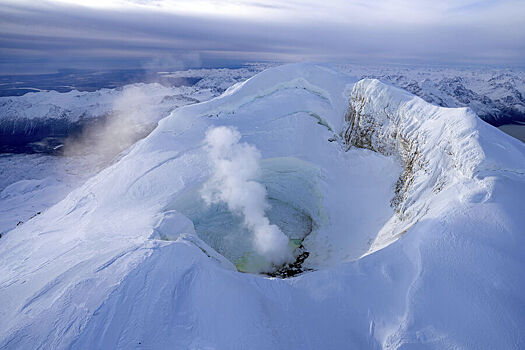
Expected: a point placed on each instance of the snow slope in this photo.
(31, 183)
(91, 128)
(415, 231)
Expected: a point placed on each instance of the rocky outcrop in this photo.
(436, 146)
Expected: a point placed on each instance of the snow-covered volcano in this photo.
(410, 214)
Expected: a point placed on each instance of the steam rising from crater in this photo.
(133, 118)
(235, 168)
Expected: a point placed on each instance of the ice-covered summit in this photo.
(409, 214)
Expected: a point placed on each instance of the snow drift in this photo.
(411, 214)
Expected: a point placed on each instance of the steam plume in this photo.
(236, 165)
(133, 117)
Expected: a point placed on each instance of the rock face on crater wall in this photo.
(437, 146)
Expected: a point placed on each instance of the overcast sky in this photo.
(43, 35)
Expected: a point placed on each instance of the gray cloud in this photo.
(60, 34)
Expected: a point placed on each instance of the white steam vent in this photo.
(236, 167)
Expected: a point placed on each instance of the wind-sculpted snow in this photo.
(411, 215)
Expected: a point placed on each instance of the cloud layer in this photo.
(124, 33)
